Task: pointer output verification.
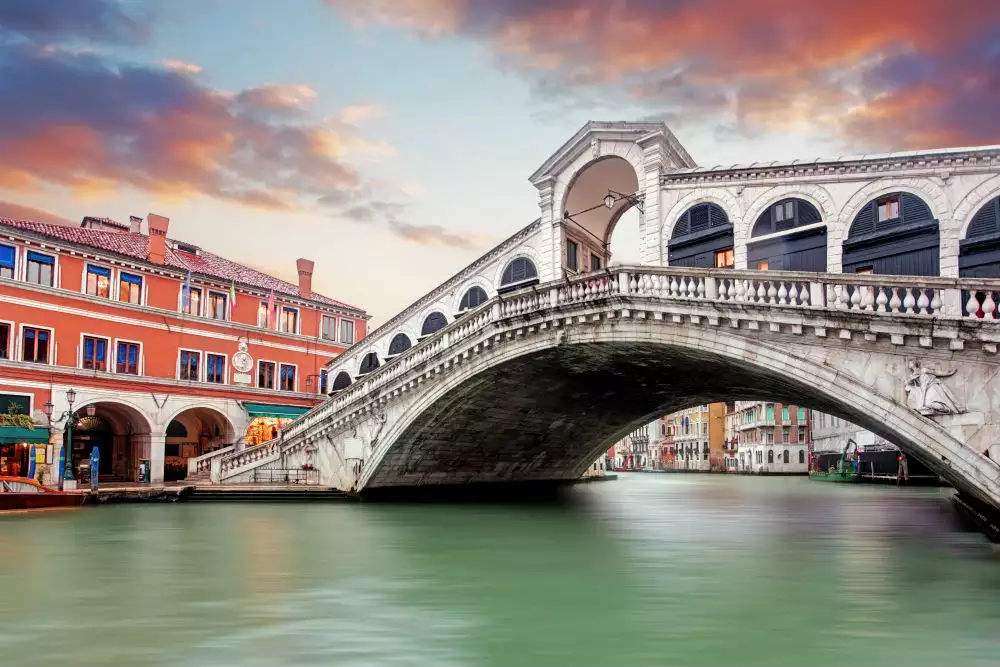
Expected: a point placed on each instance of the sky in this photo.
(391, 140)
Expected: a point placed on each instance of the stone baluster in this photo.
(908, 301)
(782, 295)
(741, 290)
(702, 289)
(972, 305)
(895, 302)
(793, 294)
(989, 307)
(881, 299)
(761, 292)
(633, 286)
(692, 288)
(923, 303)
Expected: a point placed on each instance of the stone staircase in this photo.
(216, 493)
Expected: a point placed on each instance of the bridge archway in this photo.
(576, 397)
(191, 433)
(587, 220)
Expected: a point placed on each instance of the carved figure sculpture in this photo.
(927, 394)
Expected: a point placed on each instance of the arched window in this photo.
(434, 323)
(785, 456)
(400, 344)
(770, 456)
(369, 363)
(520, 270)
(175, 429)
(702, 237)
(979, 251)
(342, 381)
(895, 234)
(786, 214)
(795, 251)
(473, 298)
(802, 456)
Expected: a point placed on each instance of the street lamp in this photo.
(613, 197)
(66, 467)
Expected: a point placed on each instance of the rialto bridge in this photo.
(863, 287)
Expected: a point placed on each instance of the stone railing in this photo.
(203, 464)
(878, 296)
(247, 456)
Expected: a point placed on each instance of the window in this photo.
(786, 433)
(347, 332)
(287, 377)
(784, 211)
(400, 344)
(369, 364)
(127, 360)
(329, 331)
(784, 414)
(190, 362)
(35, 345)
(473, 298)
(265, 375)
(7, 255)
(784, 456)
(572, 250)
(802, 456)
(865, 270)
(802, 415)
(216, 305)
(323, 382)
(41, 269)
(95, 353)
(192, 304)
(595, 263)
(770, 413)
(802, 434)
(262, 315)
(725, 259)
(289, 320)
(215, 368)
(762, 266)
(98, 281)
(888, 208)
(770, 456)
(519, 270)
(129, 287)
(433, 323)
(4, 341)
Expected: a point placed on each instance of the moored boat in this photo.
(24, 493)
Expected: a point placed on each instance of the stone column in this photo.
(52, 467)
(157, 452)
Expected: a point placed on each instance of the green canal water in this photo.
(673, 570)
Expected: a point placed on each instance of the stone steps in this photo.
(270, 494)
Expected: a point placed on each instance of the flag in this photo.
(232, 294)
(186, 298)
(270, 310)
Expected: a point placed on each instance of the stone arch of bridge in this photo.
(573, 399)
(584, 197)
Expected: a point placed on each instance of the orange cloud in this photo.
(765, 65)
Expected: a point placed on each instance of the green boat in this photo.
(846, 469)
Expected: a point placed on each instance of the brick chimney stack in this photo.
(157, 238)
(135, 224)
(305, 267)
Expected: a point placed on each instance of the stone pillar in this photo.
(52, 467)
(157, 452)
(949, 249)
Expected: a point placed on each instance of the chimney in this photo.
(157, 238)
(135, 224)
(305, 267)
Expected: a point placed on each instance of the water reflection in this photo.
(646, 570)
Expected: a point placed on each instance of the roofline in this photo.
(164, 268)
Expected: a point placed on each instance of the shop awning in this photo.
(10, 435)
(276, 411)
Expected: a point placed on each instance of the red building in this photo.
(179, 351)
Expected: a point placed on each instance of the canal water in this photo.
(654, 569)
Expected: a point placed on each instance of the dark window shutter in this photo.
(986, 221)
(700, 218)
(683, 226)
(913, 208)
(808, 214)
(369, 363)
(718, 217)
(434, 323)
(400, 344)
(342, 381)
(864, 222)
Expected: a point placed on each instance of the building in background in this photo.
(694, 439)
(773, 438)
(732, 439)
(178, 351)
(633, 451)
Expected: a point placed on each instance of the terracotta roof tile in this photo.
(135, 246)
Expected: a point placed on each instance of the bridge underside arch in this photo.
(547, 411)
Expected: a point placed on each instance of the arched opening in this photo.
(342, 381)
(193, 433)
(702, 237)
(894, 235)
(369, 363)
(433, 323)
(520, 272)
(474, 297)
(400, 343)
(122, 436)
(979, 251)
(794, 240)
(587, 219)
(624, 242)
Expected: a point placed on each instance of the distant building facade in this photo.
(773, 438)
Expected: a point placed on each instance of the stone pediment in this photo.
(587, 138)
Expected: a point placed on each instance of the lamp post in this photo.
(613, 197)
(66, 467)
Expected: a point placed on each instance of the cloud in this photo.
(180, 66)
(434, 235)
(360, 114)
(276, 98)
(93, 20)
(895, 73)
(21, 212)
